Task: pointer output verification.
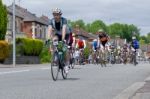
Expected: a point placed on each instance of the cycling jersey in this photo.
(95, 45)
(57, 26)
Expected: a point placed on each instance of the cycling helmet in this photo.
(73, 34)
(100, 30)
(94, 40)
(133, 38)
(57, 10)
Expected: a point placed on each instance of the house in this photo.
(27, 23)
(18, 22)
(89, 37)
(146, 48)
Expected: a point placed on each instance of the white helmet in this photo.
(100, 30)
(133, 37)
(57, 10)
(95, 40)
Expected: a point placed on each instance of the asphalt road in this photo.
(84, 82)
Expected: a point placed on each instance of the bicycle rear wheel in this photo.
(72, 63)
(55, 66)
(134, 59)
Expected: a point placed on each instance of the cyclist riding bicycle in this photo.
(81, 45)
(59, 29)
(135, 46)
(95, 44)
(103, 39)
(135, 43)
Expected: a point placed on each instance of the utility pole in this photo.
(19, 2)
(14, 36)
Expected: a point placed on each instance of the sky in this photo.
(135, 12)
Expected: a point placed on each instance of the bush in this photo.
(45, 56)
(4, 50)
(29, 47)
(86, 52)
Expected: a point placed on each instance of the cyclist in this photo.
(95, 44)
(59, 29)
(103, 39)
(135, 45)
(81, 45)
(124, 53)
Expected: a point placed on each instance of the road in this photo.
(84, 82)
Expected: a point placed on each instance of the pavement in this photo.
(112, 82)
(144, 91)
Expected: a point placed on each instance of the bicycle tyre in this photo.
(55, 66)
(64, 74)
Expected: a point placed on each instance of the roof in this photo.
(28, 16)
(83, 33)
(10, 11)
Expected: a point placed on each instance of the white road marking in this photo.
(10, 72)
(20, 71)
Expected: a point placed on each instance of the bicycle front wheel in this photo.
(55, 66)
(64, 74)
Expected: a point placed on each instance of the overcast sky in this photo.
(124, 11)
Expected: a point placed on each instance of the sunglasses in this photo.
(56, 14)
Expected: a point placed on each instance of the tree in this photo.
(146, 41)
(3, 20)
(134, 31)
(96, 25)
(142, 42)
(115, 30)
(78, 22)
(87, 27)
(148, 37)
(125, 31)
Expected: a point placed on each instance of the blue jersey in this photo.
(95, 43)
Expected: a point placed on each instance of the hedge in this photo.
(4, 50)
(29, 47)
(45, 56)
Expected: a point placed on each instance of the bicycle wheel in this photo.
(134, 59)
(72, 63)
(55, 66)
(64, 74)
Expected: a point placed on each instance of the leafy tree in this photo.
(148, 37)
(96, 25)
(142, 42)
(78, 22)
(124, 31)
(3, 20)
(87, 27)
(115, 30)
(146, 41)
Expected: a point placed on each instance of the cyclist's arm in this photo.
(84, 43)
(64, 28)
(50, 29)
(77, 45)
(64, 31)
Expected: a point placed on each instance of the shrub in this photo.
(45, 56)
(4, 50)
(29, 47)
(86, 52)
